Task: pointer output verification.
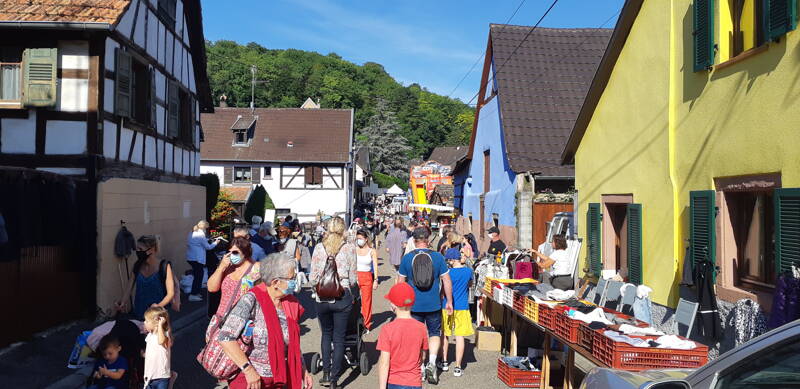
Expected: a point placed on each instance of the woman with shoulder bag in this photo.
(152, 280)
(236, 274)
(261, 334)
(333, 275)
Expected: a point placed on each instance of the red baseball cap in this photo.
(401, 295)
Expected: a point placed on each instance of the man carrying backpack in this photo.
(427, 273)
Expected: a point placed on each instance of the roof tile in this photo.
(90, 11)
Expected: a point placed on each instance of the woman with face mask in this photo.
(149, 285)
(367, 271)
(236, 274)
(267, 317)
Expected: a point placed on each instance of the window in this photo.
(313, 175)
(141, 94)
(239, 137)
(241, 174)
(181, 114)
(134, 96)
(166, 10)
(267, 172)
(774, 367)
(10, 77)
(751, 219)
(593, 235)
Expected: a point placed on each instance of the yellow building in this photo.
(688, 146)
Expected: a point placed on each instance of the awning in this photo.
(432, 207)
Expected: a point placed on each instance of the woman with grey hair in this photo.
(274, 359)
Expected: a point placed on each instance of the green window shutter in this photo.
(593, 236)
(703, 34)
(635, 243)
(780, 17)
(787, 229)
(173, 110)
(124, 84)
(702, 240)
(39, 70)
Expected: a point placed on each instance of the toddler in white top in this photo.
(157, 371)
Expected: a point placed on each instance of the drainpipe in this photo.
(85, 26)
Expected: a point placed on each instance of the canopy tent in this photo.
(395, 191)
(432, 207)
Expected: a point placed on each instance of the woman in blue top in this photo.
(196, 256)
(151, 288)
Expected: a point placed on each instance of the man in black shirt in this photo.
(497, 245)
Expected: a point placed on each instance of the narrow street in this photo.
(479, 371)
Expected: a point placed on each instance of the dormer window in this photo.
(243, 129)
(240, 138)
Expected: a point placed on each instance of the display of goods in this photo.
(507, 296)
(516, 378)
(620, 355)
(547, 316)
(519, 303)
(586, 337)
(531, 310)
(565, 327)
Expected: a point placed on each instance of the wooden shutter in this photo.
(228, 173)
(635, 243)
(173, 110)
(153, 106)
(593, 236)
(787, 229)
(123, 96)
(39, 77)
(780, 17)
(703, 34)
(318, 175)
(702, 230)
(255, 174)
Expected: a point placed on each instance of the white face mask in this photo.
(361, 242)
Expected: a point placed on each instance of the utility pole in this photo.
(253, 89)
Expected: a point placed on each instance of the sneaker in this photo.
(195, 297)
(432, 374)
(444, 365)
(326, 379)
(457, 372)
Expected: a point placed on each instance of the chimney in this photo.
(223, 101)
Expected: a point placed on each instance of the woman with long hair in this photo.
(147, 285)
(333, 314)
(395, 240)
(367, 270)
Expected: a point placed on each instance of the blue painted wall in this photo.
(501, 196)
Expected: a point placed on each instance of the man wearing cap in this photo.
(401, 343)
(427, 307)
(497, 246)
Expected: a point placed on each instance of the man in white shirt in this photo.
(557, 264)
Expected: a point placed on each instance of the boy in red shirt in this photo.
(401, 343)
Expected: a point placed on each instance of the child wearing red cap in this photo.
(401, 343)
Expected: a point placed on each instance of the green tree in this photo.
(221, 221)
(387, 147)
(256, 203)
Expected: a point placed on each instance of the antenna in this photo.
(253, 83)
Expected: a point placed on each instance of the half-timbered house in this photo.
(302, 157)
(109, 93)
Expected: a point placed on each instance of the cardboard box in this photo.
(488, 340)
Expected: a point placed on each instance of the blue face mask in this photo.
(235, 259)
(290, 287)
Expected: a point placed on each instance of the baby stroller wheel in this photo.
(363, 364)
(316, 363)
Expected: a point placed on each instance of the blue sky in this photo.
(433, 43)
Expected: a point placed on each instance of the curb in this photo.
(78, 378)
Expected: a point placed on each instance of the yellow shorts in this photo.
(457, 324)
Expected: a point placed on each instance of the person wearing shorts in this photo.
(458, 323)
(427, 303)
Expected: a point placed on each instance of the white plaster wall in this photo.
(168, 60)
(178, 70)
(73, 95)
(19, 135)
(179, 18)
(126, 23)
(125, 139)
(73, 54)
(161, 86)
(136, 157)
(111, 46)
(160, 116)
(152, 30)
(150, 151)
(138, 35)
(191, 78)
(169, 165)
(109, 139)
(65, 137)
(211, 169)
(161, 44)
(108, 96)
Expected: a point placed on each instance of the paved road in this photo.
(480, 372)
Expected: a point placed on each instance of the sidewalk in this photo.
(41, 362)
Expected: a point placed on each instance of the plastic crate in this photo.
(586, 337)
(507, 296)
(519, 303)
(516, 378)
(531, 310)
(546, 317)
(564, 327)
(619, 355)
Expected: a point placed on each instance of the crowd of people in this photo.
(253, 336)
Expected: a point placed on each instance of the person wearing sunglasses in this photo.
(236, 274)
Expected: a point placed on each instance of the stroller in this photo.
(354, 354)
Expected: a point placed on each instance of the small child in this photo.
(459, 324)
(157, 371)
(109, 371)
(401, 343)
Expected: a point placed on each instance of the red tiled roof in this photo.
(99, 11)
(238, 194)
(317, 135)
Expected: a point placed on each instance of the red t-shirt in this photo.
(404, 339)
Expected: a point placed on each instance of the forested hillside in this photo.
(409, 115)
